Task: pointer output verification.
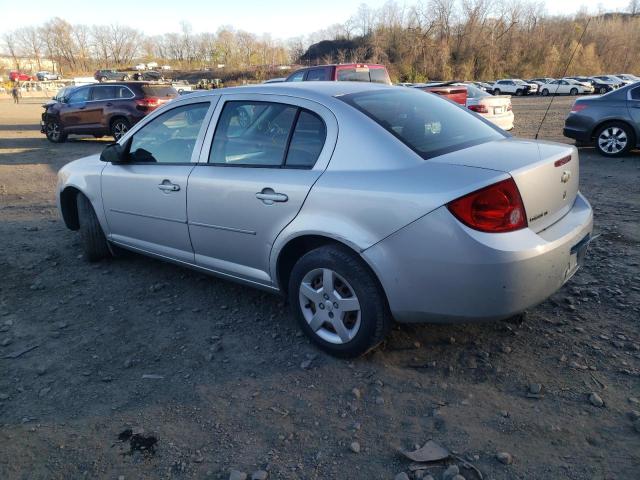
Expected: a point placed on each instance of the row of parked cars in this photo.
(111, 108)
(577, 85)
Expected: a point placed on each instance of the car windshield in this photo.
(520, 82)
(426, 123)
(363, 74)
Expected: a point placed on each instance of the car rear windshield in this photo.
(363, 74)
(159, 91)
(426, 123)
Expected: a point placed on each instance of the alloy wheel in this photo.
(119, 129)
(53, 131)
(613, 140)
(330, 306)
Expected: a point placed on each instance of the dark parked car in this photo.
(149, 75)
(611, 121)
(599, 86)
(104, 75)
(344, 72)
(105, 109)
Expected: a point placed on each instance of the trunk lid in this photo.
(546, 174)
(497, 104)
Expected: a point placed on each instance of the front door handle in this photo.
(268, 196)
(167, 186)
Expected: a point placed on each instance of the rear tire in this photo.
(615, 139)
(338, 301)
(54, 131)
(545, 92)
(119, 127)
(496, 91)
(602, 90)
(94, 243)
(103, 79)
(518, 93)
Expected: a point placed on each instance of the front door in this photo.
(74, 113)
(145, 197)
(262, 162)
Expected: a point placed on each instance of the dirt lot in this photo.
(215, 371)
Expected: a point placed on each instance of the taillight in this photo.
(479, 108)
(578, 107)
(147, 103)
(509, 107)
(495, 209)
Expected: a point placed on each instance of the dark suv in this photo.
(105, 109)
(106, 74)
(344, 72)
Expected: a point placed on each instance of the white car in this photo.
(140, 66)
(495, 108)
(514, 86)
(166, 67)
(565, 86)
(182, 86)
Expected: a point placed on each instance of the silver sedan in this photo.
(361, 203)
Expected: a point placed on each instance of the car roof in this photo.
(310, 90)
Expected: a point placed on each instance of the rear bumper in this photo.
(505, 121)
(437, 270)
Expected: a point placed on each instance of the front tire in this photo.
(518, 93)
(94, 243)
(545, 92)
(615, 139)
(573, 92)
(338, 301)
(496, 91)
(103, 79)
(54, 131)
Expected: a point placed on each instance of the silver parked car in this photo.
(360, 202)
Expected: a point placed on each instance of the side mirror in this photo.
(113, 153)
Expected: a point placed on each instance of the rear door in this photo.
(145, 198)
(255, 172)
(633, 104)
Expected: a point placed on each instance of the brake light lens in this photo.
(479, 108)
(148, 103)
(497, 208)
(578, 107)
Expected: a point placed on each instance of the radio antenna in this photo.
(564, 74)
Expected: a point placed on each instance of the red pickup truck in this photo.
(456, 93)
(343, 72)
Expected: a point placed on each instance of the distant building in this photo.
(27, 64)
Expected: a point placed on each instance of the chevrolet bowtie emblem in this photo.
(566, 175)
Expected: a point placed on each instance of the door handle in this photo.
(167, 186)
(268, 196)
(109, 104)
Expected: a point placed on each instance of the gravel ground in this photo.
(137, 369)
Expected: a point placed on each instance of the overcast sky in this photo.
(280, 18)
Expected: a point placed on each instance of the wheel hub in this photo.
(330, 306)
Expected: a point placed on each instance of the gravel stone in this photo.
(595, 400)
(505, 458)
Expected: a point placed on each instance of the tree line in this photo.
(482, 39)
(430, 39)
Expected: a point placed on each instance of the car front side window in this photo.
(170, 137)
(79, 96)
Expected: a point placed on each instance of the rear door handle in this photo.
(167, 186)
(268, 196)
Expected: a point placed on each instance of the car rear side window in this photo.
(379, 75)
(159, 91)
(353, 74)
(318, 74)
(170, 137)
(107, 92)
(307, 141)
(252, 133)
(635, 93)
(297, 77)
(427, 124)
(123, 92)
